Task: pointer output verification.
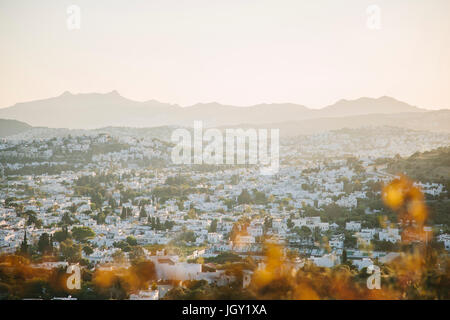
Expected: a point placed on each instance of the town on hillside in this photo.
(112, 203)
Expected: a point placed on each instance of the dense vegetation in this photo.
(429, 166)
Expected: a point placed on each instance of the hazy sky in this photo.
(239, 52)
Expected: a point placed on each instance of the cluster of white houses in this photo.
(309, 183)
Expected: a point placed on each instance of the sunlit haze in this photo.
(233, 52)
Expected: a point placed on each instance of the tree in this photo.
(118, 257)
(66, 219)
(350, 240)
(101, 217)
(32, 219)
(124, 214)
(136, 255)
(244, 197)
(62, 234)
(168, 224)
(234, 179)
(142, 213)
(180, 204)
(70, 251)
(112, 203)
(51, 243)
(229, 203)
(158, 224)
(316, 234)
(151, 221)
(187, 236)
(267, 223)
(131, 241)
(260, 197)
(289, 223)
(82, 233)
(191, 214)
(303, 232)
(213, 226)
(44, 243)
(24, 245)
(88, 250)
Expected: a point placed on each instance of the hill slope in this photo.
(433, 166)
(10, 127)
(435, 121)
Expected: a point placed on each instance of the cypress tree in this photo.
(24, 245)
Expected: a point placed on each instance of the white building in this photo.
(214, 237)
(328, 260)
(389, 234)
(353, 226)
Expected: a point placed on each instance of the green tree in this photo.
(88, 250)
(124, 213)
(70, 251)
(44, 243)
(259, 197)
(186, 236)
(24, 245)
(101, 217)
(67, 219)
(142, 213)
(289, 223)
(244, 197)
(32, 219)
(303, 232)
(213, 226)
(158, 224)
(168, 224)
(62, 234)
(131, 241)
(82, 233)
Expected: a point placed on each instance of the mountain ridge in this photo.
(95, 110)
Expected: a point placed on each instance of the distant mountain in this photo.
(94, 110)
(385, 105)
(10, 127)
(435, 121)
(88, 111)
(432, 121)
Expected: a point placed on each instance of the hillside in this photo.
(431, 166)
(435, 121)
(10, 127)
